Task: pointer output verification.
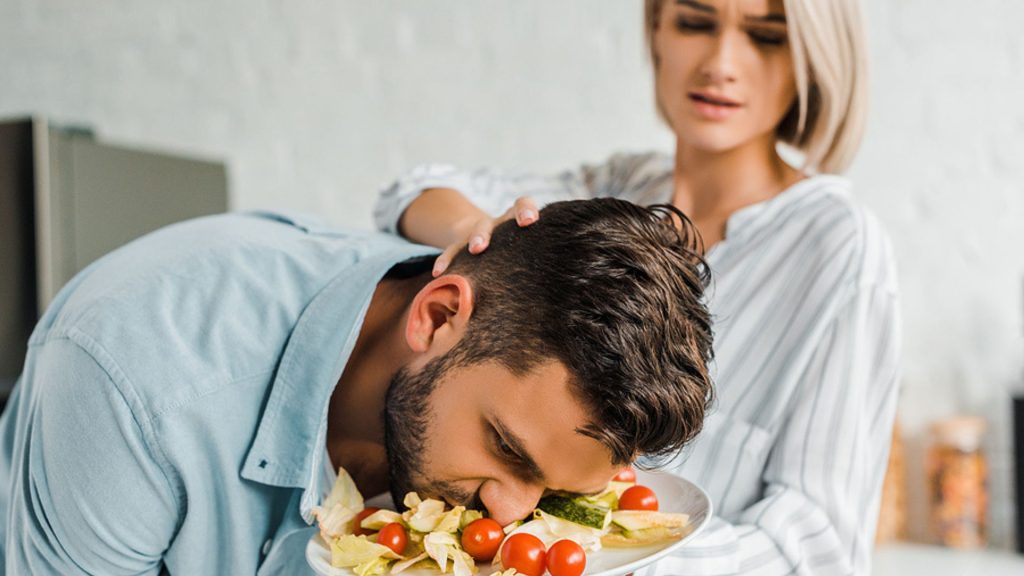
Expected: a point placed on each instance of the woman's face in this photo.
(724, 71)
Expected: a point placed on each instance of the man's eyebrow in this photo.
(533, 471)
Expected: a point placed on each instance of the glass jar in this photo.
(892, 516)
(958, 481)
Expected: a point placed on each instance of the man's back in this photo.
(171, 409)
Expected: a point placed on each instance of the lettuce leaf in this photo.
(339, 508)
(430, 516)
(380, 519)
(443, 546)
(360, 554)
(551, 529)
(468, 517)
(400, 567)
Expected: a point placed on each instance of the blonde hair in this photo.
(826, 122)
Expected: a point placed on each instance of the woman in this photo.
(804, 294)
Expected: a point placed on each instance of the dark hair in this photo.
(615, 292)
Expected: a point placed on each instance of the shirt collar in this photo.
(290, 438)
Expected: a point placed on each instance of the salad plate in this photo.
(675, 494)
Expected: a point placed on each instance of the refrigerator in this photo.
(67, 198)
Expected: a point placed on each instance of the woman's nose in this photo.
(720, 66)
(507, 502)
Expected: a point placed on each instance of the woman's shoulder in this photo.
(846, 230)
(642, 160)
(639, 176)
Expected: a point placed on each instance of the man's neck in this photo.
(355, 424)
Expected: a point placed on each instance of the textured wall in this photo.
(943, 166)
(314, 104)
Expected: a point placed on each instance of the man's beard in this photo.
(406, 419)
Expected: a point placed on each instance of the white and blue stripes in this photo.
(807, 345)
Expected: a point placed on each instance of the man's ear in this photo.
(439, 314)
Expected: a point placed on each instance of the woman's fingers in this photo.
(479, 239)
(445, 259)
(526, 211)
(480, 236)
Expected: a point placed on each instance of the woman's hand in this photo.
(525, 213)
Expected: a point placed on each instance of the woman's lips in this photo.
(713, 106)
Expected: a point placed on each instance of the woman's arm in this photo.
(824, 475)
(439, 217)
(636, 177)
(438, 204)
(442, 206)
(444, 217)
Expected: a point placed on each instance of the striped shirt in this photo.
(807, 344)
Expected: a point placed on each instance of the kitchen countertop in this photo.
(903, 559)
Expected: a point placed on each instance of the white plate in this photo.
(675, 494)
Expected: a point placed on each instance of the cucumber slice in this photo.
(576, 510)
(635, 520)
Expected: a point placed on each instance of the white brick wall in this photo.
(943, 166)
(313, 104)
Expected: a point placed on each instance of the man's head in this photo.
(554, 358)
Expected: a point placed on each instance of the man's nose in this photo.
(507, 502)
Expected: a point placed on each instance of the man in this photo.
(185, 399)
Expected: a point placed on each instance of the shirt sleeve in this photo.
(494, 191)
(823, 477)
(87, 495)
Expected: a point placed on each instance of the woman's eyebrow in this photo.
(771, 17)
(697, 6)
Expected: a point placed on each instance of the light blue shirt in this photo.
(171, 415)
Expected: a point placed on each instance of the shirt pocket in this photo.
(727, 459)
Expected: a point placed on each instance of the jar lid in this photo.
(963, 432)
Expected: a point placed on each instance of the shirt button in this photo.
(266, 546)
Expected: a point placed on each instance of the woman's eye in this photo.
(768, 38)
(686, 24)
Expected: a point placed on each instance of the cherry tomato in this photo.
(482, 538)
(393, 536)
(638, 498)
(356, 528)
(524, 552)
(566, 558)
(625, 475)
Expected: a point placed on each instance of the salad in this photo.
(430, 534)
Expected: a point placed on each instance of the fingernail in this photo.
(438, 268)
(476, 242)
(527, 216)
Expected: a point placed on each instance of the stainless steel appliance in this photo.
(65, 200)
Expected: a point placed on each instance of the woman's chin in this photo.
(711, 141)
